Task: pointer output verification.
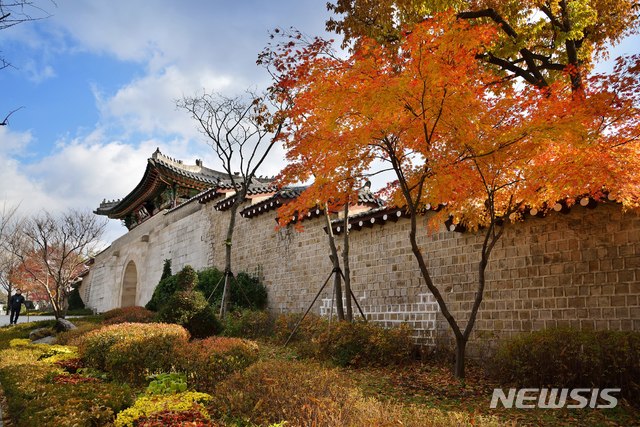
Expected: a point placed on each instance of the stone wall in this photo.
(581, 269)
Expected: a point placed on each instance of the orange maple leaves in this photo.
(453, 131)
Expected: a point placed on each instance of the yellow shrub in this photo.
(148, 405)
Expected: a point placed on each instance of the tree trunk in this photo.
(337, 280)
(347, 268)
(461, 344)
(224, 304)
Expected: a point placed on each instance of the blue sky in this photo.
(98, 80)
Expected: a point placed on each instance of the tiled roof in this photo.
(365, 197)
(273, 202)
(160, 170)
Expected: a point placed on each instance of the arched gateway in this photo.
(129, 285)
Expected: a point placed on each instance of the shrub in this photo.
(167, 383)
(571, 359)
(246, 291)
(75, 300)
(297, 394)
(208, 361)
(162, 292)
(249, 324)
(135, 314)
(71, 336)
(132, 351)
(274, 391)
(364, 344)
(310, 327)
(187, 279)
(148, 405)
(211, 279)
(192, 418)
(346, 344)
(38, 396)
(190, 309)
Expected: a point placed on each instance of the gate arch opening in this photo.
(129, 285)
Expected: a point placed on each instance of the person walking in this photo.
(15, 304)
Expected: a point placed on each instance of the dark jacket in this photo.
(16, 302)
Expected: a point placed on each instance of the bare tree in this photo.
(9, 239)
(242, 131)
(54, 252)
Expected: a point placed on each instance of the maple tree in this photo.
(480, 151)
(54, 252)
(241, 132)
(538, 41)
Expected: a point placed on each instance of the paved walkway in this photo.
(4, 319)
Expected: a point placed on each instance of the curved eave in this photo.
(382, 215)
(156, 175)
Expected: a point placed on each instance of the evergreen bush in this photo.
(166, 287)
(75, 300)
(191, 310)
(246, 291)
(187, 279)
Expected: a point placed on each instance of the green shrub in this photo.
(569, 358)
(249, 324)
(211, 279)
(187, 279)
(162, 293)
(166, 269)
(190, 309)
(246, 291)
(167, 383)
(128, 315)
(75, 300)
(204, 323)
(132, 351)
(208, 361)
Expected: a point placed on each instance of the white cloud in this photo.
(147, 104)
(37, 74)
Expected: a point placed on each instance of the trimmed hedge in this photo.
(132, 351)
(568, 358)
